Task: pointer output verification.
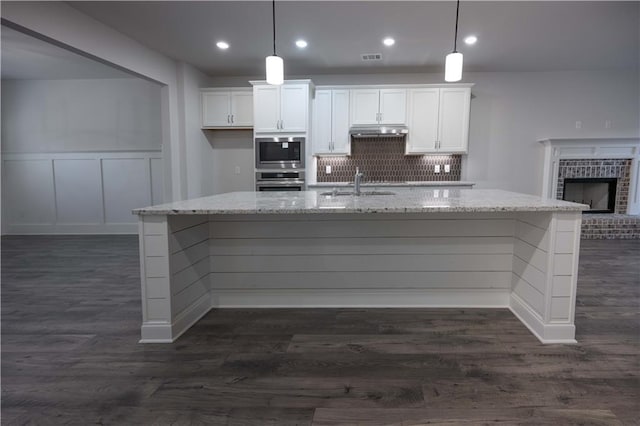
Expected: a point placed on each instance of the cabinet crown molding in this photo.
(394, 86)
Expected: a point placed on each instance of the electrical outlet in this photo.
(607, 124)
(237, 170)
(578, 124)
(447, 168)
(327, 170)
(437, 168)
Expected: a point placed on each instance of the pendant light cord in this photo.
(455, 38)
(274, 26)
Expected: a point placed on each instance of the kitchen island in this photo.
(414, 248)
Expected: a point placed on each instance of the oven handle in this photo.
(280, 183)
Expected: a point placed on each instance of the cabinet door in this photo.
(215, 109)
(393, 106)
(422, 120)
(340, 122)
(454, 119)
(294, 99)
(321, 131)
(364, 106)
(242, 109)
(266, 109)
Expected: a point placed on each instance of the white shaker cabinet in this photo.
(438, 120)
(279, 109)
(227, 108)
(378, 106)
(453, 127)
(330, 130)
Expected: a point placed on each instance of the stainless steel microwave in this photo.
(280, 153)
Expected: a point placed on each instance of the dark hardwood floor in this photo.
(70, 326)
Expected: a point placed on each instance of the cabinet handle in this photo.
(228, 121)
(331, 146)
(278, 124)
(231, 118)
(282, 124)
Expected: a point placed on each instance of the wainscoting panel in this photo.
(28, 191)
(127, 185)
(78, 192)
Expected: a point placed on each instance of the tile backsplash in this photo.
(383, 160)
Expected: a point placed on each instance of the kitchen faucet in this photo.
(356, 181)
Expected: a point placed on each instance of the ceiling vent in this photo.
(367, 57)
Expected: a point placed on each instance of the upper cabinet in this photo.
(281, 109)
(378, 106)
(330, 129)
(438, 120)
(227, 108)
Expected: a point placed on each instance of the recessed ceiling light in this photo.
(222, 45)
(388, 41)
(471, 39)
(301, 44)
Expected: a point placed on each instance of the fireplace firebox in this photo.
(598, 193)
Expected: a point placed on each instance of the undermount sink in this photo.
(362, 193)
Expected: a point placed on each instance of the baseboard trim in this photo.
(168, 333)
(369, 298)
(191, 315)
(546, 333)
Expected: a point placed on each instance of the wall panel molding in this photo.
(74, 193)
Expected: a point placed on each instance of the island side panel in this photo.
(174, 264)
(374, 260)
(189, 265)
(155, 279)
(545, 262)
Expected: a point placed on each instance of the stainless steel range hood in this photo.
(379, 131)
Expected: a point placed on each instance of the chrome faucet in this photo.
(356, 181)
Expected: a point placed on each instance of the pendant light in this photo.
(274, 63)
(453, 62)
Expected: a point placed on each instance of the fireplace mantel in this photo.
(556, 149)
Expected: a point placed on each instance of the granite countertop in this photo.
(404, 200)
(393, 184)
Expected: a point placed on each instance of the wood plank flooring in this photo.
(70, 326)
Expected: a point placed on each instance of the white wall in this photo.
(199, 152)
(80, 115)
(234, 161)
(79, 155)
(60, 22)
(511, 111)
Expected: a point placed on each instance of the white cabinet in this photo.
(378, 106)
(330, 130)
(282, 108)
(438, 120)
(227, 108)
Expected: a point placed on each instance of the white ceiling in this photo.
(25, 57)
(512, 36)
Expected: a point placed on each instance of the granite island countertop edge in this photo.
(312, 202)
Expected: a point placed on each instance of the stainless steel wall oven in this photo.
(280, 181)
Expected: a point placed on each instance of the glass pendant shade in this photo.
(453, 67)
(275, 70)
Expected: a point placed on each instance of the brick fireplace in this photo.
(602, 173)
(596, 171)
